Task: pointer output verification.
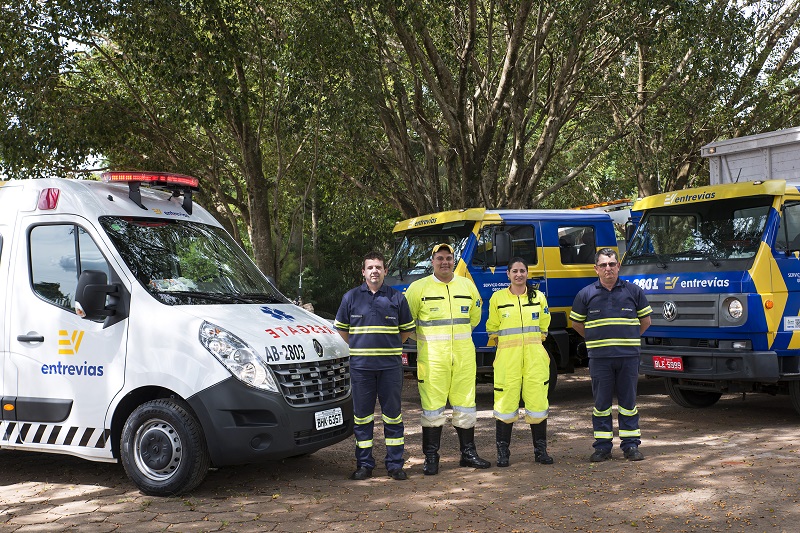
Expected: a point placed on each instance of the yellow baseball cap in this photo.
(440, 246)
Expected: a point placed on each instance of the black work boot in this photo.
(469, 455)
(431, 437)
(539, 432)
(503, 432)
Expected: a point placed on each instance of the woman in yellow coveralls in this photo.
(519, 318)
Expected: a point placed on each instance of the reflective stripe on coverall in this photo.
(521, 364)
(445, 314)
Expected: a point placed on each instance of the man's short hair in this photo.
(377, 256)
(607, 252)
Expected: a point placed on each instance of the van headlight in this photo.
(241, 360)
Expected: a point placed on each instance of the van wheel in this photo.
(163, 448)
(690, 398)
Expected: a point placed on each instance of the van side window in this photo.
(58, 254)
(790, 223)
(576, 244)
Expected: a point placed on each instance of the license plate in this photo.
(668, 363)
(329, 418)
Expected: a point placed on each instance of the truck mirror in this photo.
(90, 295)
(502, 247)
(630, 228)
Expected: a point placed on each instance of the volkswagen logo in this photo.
(318, 348)
(670, 311)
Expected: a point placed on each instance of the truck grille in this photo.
(314, 383)
(691, 311)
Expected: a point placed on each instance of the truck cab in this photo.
(559, 246)
(135, 329)
(720, 266)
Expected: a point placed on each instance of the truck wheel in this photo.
(163, 448)
(690, 398)
(794, 394)
(553, 377)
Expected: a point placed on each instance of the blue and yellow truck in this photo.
(559, 246)
(720, 266)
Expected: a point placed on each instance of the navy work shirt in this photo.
(611, 318)
(373, 323)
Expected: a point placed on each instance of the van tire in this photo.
(163, 448)
(690, 398)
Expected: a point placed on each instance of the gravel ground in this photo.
(731, 467)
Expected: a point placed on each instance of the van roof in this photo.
(92, 199)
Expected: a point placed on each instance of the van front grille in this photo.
(314, 383)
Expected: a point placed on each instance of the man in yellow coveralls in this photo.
(446, 307)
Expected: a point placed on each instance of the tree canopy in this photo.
(314, 125)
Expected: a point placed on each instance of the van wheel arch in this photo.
(126, 406)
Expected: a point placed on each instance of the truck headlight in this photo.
(735, 308)
(242, 361)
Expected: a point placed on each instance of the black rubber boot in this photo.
(503, 432)
(431, 438)
(539, 432)
(469, 455)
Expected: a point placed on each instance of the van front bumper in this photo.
(245, 425)
(713, 365)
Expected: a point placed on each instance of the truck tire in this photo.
(553, 377)
(690, 398)
(163, 448)
(794, 394)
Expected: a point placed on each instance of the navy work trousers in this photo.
(386, 386)
(615, 376)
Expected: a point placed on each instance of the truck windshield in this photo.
(412, 255)
(714, 231)
(181, 262)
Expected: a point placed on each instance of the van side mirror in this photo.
(91, 293)
(502, 247)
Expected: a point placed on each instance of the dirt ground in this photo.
(731, 467)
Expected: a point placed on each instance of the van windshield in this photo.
(715, 231)
(181, 262)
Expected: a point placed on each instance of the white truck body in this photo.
(774, 155)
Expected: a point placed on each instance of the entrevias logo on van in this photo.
(170, 213)
(68, 344)
(676, 198)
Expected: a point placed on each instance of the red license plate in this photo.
(668, 363)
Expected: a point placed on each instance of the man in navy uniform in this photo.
(611, 314)
(374, 319)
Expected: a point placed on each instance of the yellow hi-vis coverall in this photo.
(521, 362)
(445, 314)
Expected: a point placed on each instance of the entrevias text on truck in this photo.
(559, 246)
(720, 266)
(135, 329)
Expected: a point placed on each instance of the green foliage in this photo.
(335, 118)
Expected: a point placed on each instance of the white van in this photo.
(135, 329)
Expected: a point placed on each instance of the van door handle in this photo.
(30, 338)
